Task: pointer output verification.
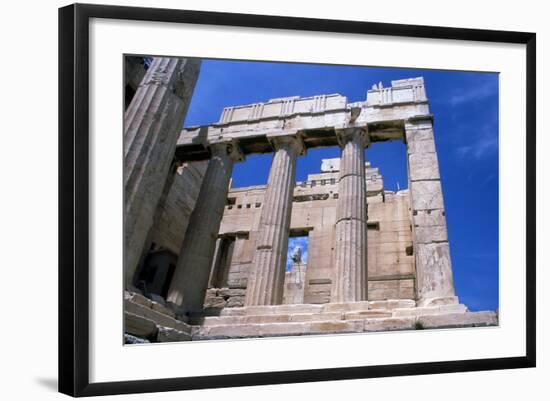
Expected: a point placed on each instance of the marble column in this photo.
(434, 276)
(265, 283)
(350, 282)
(152, 124)
(188, 287)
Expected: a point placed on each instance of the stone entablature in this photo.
(401, 92)
(284, 107)
(315, 119)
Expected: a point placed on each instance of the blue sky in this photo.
(465, 106)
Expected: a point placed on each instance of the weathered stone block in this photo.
(421, 146)
(423, 166)
(427, 235)
(235, 302)
(451, 300)
(130, 339)
(431, 310)
(406, 293)
(455, 320)
(139, 325)
(390, 324)
(231, 292)
(319, 299)
(428, 218)
(413, 134)
(346, 306)
(366, 314)
(140, 310)
(220, 332)
(283, 329)
(138, 299)
(283, 309)
(183, 327)
(162, 309)
(433, 271)
(316, 317)
(392, 304)
(426, 195)
(215, 302)
(233, 312)
(349, 326)
(167, 334)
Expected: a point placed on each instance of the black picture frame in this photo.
(74, 198)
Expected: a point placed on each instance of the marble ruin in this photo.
(204, 260)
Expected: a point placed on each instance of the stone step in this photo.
(276, 329)
(369, 324)
(318, 308)
(287, 318)
(457, 320)
(429, 310)
(151, 320)
(272, 310)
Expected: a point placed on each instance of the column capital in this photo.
(344, 135)
(172, 73)
(292, 139)
(230, 148)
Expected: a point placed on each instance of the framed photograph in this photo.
(253, 199)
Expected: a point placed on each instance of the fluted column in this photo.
(265, 283)
(152, 124)
(350, 283)
(188, 287)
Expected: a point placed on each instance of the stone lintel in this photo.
(193, 142)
